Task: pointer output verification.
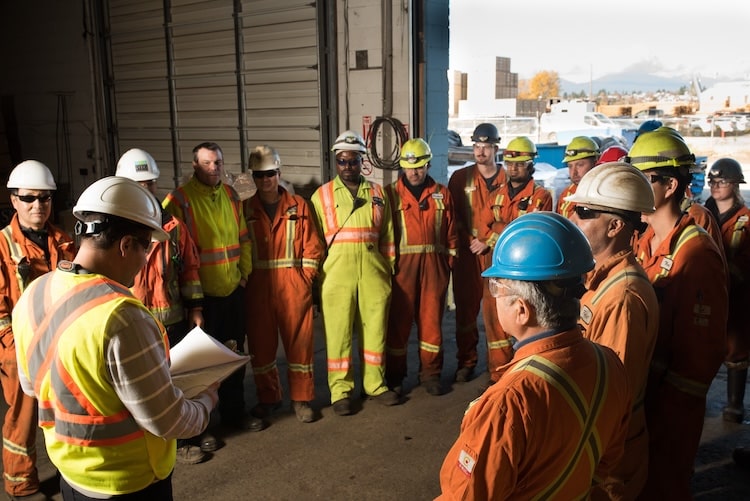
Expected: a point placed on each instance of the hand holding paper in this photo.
(199, 360)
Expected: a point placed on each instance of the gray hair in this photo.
(554, 310)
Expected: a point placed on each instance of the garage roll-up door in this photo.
(241, 73)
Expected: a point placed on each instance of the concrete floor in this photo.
(390, 453)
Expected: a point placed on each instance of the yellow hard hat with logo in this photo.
(520, 149)
(580, 147)
(415, 153)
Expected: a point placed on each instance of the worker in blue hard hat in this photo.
(530, 434)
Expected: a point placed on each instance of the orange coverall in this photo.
(501, 210)
(169, 283)
(553, 424)
(426, 245)
(735, 231)
(286, 254)
(620, 310)
(20, 425)
(705, 220)
(688, 273)
(564, 207)
(470, 195)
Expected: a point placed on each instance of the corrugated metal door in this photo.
(185, 53)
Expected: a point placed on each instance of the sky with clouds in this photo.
(583, 39)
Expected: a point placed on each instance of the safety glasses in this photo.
(257, 174)
(514, 154)
(496, 287)
(657, 178)
(713, 183)
(354, 162)
(30, 199)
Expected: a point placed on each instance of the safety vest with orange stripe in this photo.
(215, 219)
(86, 425)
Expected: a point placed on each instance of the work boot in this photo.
(734, 410)
(432, 386)
(208, 443)
(304, 412)
(342, 407)
(387, 398)
(464, 374)
(264, 411)
(189, 454)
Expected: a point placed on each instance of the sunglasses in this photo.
(657, 178)
(30, 199)
(343, 162)
(257, 174)
(588, 213)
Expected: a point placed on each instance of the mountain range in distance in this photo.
(642, 79)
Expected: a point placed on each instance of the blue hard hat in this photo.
(540, 246)
(648, 126)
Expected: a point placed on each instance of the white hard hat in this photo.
(615, 185)
(138, 165)
(122, 197)
(31, 175)
(349, 141)
(264, 158)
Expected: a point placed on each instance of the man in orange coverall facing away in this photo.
(619, 309)
(555, 422)
(169, 285)
(519, 196)
(286, 253)
(426, 244)
(471, 188)
(30, 247)
(688, 272)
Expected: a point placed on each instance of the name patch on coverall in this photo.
(467, 459)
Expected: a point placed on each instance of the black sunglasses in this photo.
(589, 213)
(264, 173)
(656, 178)
(29, 199)
(354, 162)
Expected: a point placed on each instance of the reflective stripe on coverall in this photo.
(470, 195)
(688, 274)
(355, 281)
(564, 207)
(286, 255)
(553, 424)
(501, 210)
(427, 244)
(20, 424)
(169, 283)
(620, 310)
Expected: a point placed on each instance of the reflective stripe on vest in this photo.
(736, 240)
(469, 190)
(332, 230)
(76, 421)
(682, 383)
(289, 260)
(585, 413)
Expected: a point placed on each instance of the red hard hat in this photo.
(612, 154)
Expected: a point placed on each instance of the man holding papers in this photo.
(95, 357)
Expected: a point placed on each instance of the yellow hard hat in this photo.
(580, 147)
(520, 149)
(415, 153)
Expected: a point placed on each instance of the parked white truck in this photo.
(568, 119)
